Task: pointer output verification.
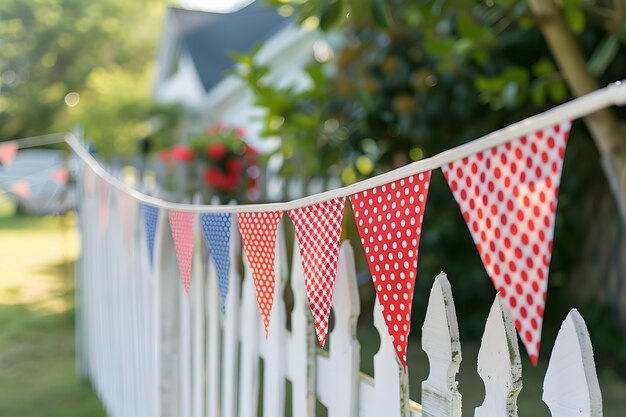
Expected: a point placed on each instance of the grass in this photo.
(37, 365)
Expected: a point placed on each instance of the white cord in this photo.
(614, 94)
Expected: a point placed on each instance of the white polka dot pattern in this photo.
(389, 220)
(508, 198)
(181, 223)
(318, 229)
(258, 233)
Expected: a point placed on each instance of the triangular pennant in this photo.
(216, 227)
(508, 198)
(181, 223)
(104, 205)
(21, 188)
(8, 150)
(258, 233)
(127, 207)
(318, 229)
(60, 175)
(150, 218)
(389, 219)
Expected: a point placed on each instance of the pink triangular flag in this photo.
(318, 229)
(103, 205)
(258, 233)
(60, 175)
(181, 223)
(127, 206)
(8, 150)
(389, 219)
(21, 188)
(508, 198)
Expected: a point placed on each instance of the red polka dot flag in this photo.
(258, 233)
(181, 223)
(389, 220)
(318, 229)
(508, 198)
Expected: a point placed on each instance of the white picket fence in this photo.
(150, 351)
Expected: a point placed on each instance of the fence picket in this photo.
(499, 364)
(151, 351)
(197, 301)
(341, 366)
(440, 341)
(571, 385)
(273, 346)
(213, 382)
(301, 344)
(230, 340)
(388, 392)
(249, 336)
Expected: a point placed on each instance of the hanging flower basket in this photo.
(216, 162)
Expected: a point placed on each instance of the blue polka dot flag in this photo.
(216, 227)
(150, 217)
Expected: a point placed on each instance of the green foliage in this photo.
(102, 50)
(426, 77)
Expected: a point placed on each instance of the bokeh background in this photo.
(386, 83)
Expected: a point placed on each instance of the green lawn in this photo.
(37, 365)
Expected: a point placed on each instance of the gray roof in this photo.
(210, 38)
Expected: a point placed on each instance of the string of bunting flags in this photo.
(506, 188)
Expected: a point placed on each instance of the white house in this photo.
(195, 56)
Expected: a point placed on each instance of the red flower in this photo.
(216, 150)
(231, 180)
(234, 165)
(182, 153)
(240, 132)
(165, 156)
(214, 177)
(250, 152)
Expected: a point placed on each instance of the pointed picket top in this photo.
(499, 364)
(440, 341)
(391, 383)
(571, 385)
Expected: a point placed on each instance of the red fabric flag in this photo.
(258, 233)
(8, 150)
(181, 223)
(318, 229)
(389, 220)
(508, 198)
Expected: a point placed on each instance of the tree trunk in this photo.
(604, 127)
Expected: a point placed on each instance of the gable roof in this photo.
(210, 38)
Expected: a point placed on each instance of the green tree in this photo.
(67, 62)
(415, 78)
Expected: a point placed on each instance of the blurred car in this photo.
(35, 182)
